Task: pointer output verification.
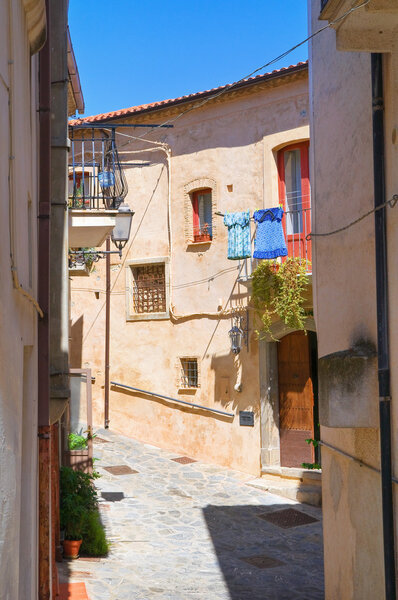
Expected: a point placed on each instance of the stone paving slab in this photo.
(182, 532)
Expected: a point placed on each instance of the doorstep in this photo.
(301, 485)
(312, 476)
(73, 591)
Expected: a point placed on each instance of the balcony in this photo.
(96, 186)
(371, 28)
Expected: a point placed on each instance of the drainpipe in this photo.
(43, 324)
(107, 329)
(383, 325)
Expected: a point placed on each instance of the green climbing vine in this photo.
(278, 290)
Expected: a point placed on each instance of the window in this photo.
(200, 205)
(147, 289)
(294, 195)
(79, 189)
(202, 215)
(189, 373)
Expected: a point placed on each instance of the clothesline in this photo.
(220, 214)
(269, 242)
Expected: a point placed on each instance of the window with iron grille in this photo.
(189, 377)
(147, 289)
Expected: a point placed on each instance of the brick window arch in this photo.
(200, 205)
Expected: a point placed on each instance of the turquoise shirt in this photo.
(238, 224)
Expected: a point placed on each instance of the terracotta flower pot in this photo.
(274, 267)
(71, 548)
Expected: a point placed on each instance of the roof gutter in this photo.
(74, 76)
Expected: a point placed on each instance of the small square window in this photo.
(202, 215)
(147, 289)
(189, 373)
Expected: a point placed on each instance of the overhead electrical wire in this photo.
(163, 146)
(230, 86)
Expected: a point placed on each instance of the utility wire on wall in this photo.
(391, 203)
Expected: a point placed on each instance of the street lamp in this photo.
(236, 337)
(121, 232)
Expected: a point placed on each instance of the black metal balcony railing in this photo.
(96, 177)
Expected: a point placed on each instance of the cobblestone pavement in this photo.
(183, 531)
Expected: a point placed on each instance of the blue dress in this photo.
(270, 241)
(238, 224)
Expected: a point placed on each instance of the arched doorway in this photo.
(298, 406)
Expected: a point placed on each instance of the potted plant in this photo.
(204, 234)
(72, 517)
(77, 498)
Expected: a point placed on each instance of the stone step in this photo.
(294, 489)
(305, 476)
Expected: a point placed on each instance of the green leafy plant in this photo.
(313, 465)
(78, 441)
(90, 255)
(94, 538)
(78, 497)
(278, 290)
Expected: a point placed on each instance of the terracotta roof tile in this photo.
(124, 112)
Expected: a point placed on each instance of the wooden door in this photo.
(296, 400)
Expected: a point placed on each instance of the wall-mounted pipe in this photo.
(43, 324)
(383, 325)
(107, 331)
(155, 395)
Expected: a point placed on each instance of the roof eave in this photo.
(289, 71)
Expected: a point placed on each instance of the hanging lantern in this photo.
(121, 232)
(236, 337)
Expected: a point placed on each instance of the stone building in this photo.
(354, 113)
(33, 134)
(175, 296)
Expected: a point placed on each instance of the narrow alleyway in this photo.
(190, 530)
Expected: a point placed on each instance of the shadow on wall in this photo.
(225, 377)
(76, 345)
(263, 560)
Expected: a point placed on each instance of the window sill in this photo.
(148, 316)
(201, 243)
(187, 390)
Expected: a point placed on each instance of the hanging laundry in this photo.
(270, 241)
(238, 234)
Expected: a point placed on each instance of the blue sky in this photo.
(131, 52)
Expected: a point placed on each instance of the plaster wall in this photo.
(345, 294)
(233, 145)
(18, 320)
